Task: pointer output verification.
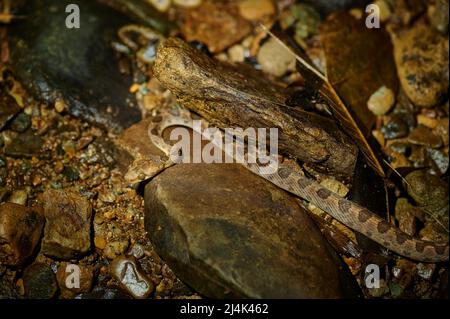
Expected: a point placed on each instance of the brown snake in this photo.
(347, 212)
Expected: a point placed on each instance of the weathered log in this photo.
(231, 97)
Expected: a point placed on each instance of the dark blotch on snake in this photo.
(420, 246)
(344, 205)
(154, 131)
(304, 182)
(157, 119)
(383, 227)
(440, 249)
(364, 215)
(323, 193)
(401, 237)
(284, 172)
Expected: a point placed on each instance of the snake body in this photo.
(347, 212)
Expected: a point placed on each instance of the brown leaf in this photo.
(317, 81)
(359, 61)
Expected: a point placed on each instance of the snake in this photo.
(347, 212)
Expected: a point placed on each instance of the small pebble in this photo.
(60, 105)
(426, 121)
(187, 3)
(382, 101)
(236, 53)
(116, 248)
(131, 278)
(19, 197)
(99, 242)
(256, 9)
(275, 59)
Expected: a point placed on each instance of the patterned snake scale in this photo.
(347, 212)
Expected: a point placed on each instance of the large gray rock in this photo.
(228, 233)
(77, 65)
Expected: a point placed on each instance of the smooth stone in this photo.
(68, 224)
(20, 232)
(77, 65)
(428, 191)
(381, 101)
(39, 281)
(421, 55)
(127, 271)
(395, 128)
(228, 233)
(275, 59)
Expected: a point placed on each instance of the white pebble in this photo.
(381, 101)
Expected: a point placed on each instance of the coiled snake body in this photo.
(347, 212)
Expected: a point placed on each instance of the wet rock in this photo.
(67, 230)
(256, 9)
(438, 15)
(395, 127)
(25, 145)
(131, 278)
(20, 123)
(422, 55)
(228, 233)
(39, 282)
(8, 107)
(20, 231)
(423, 136)
(77, 66)
(381, 101)
(68, 291)
(104, 293)
(275, 59)
(216, 23)
(428, 191)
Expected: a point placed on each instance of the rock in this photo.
(77, 66)
(19, 197)
(442, 130)
(395, 127)
(228, 233)
(275, 59)
(216, 23)
(381, 101)
(438, 15)
(8, 107)
(86, 280)
(104, 293)
(421, 56)
(256, 9)
(137, 251)
(132, 279)
(426, 271)
(428, 191)
(20, 123)
(423, 136)
(25, 145)
(68, 226)
(99, 242)
(39, 282)
(20, 231)
(385, 10)
(440, 159)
